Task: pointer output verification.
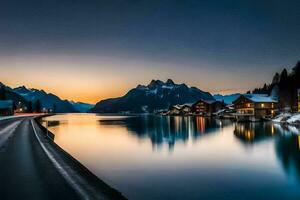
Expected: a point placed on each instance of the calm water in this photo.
(152, 157)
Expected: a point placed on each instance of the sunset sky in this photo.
(90, 50)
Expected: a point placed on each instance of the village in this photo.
(246, 108)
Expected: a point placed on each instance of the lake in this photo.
(161, 157)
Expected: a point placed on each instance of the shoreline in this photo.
(82, 180)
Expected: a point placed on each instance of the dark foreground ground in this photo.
(33, 167)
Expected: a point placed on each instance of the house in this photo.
(206, 107)
(254, 107)
(183, 109)
(6, 107)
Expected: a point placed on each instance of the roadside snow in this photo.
(7, 117)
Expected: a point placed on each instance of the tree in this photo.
(29, 108)
(38, 106)
(276, 79)
(54, 108)
(283, 78)
(2, 93)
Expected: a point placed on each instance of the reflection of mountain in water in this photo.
(288, 152)
(254, 132)
(166, 129)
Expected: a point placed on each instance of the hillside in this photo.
(155, 96)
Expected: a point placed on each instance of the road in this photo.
(25, 170)
(33, 167)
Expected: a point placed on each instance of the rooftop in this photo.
(260, 98)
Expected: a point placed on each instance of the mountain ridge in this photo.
(155, 96)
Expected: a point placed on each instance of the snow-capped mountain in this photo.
(47, 100)
(155, 96)
(228, 99)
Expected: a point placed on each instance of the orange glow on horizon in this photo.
(91, 79)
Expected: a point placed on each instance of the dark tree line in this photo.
(287, 84)
(2, 93)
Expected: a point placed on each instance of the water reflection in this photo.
(168, 130)
(286, 142)
(250, 133)
(211, 158)
(288, 153)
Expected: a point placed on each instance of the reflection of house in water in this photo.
(167, 129)
(288, 153)
(254, 132)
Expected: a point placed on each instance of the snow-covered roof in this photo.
(264, 98)
(5, 104)
(179, 107)
(206, 101)
(188, 104)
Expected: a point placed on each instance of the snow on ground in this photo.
(295, 119)
(7, 117)
(294, 130)
(282, 117)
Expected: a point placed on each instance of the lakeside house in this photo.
(255, 107)
(183, 109)
(6, 107)
(207, 107)
(201, 107)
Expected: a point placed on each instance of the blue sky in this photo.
(106, 47)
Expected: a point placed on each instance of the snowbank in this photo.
(295, 119)
(282, 117)
(7, 117)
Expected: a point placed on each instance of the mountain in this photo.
(82, 107)
(7, 93)
(155, 96)
(228, 99)
(47, 100)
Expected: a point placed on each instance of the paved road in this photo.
(25, 170)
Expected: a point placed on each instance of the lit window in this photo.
(262, 105)
(248, 105)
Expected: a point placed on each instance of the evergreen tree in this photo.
(38, 106)
(276, 79)
(2, 93)
(54, 108)
(283, 78)
(29, 108)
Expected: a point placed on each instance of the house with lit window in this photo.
(6, 107)
(206, 107)
(183, 109)
(255, 107)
